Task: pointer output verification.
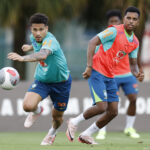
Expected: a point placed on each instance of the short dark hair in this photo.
(112, 13)
(132, 9)
(38, 18)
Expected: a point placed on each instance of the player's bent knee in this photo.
(28, 107)
(133, 101)
(113, 114)
(132, 98)
(100, 111)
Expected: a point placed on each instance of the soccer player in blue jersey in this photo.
(52, 77)
(126, 81)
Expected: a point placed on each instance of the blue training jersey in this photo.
(54, 68)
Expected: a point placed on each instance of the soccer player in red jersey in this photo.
(126, 81)
(115, 45)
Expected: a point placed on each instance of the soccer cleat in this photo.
(131, 132)
(101, 135)
(48, 140)
(70, 133)
(86, 139)
(31, 118)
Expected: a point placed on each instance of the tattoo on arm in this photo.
(41, 55)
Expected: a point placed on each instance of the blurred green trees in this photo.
(15, 13)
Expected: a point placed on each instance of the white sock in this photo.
(92, 129)
(38, 110)
(52, 131)
(130, 121)
(103, 129)
(77, 120)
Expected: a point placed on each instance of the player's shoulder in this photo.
(50, 40)
(49, 36)
(107, 34)
(109, 30)
(120, 26)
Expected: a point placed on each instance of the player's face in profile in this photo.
(39, 31)
(131, 21)
(114, 20)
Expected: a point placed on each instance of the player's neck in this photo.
(128, 32)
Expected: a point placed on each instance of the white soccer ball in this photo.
(9, 78)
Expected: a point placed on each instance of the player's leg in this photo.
(60, 95)
(30, 104)
(111, 112)
(98, 93)
(31, 101)
(102, 132)
(131, 91)
(57, 120)
(131, 111)
(131, 116)
(100, 107)
(35, 94)
(103, 120)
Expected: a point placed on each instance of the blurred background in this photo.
(73, 22)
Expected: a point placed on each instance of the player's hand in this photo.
(15, 56)
(87, 73)
(26, 47)
(140, 76)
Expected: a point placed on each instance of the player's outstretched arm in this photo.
(27, 47)
(90, 53)
(135, 69)
(41, 55)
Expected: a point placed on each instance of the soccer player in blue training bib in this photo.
(52, 77)
(126, 80)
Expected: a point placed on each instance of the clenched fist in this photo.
(27, 47)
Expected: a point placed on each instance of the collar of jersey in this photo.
(129, 36)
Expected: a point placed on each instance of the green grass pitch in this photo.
(31, 141)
